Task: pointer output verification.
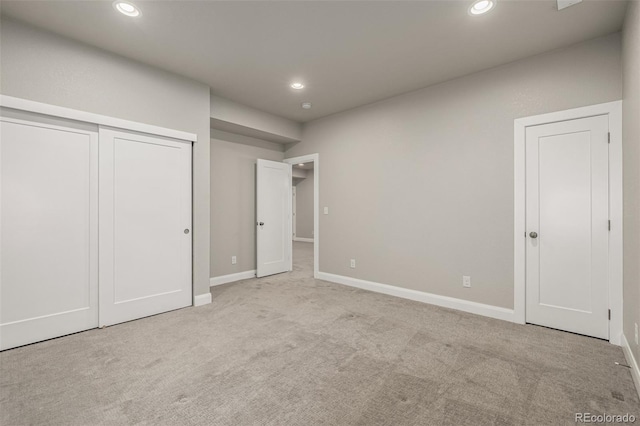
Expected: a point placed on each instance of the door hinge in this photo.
(609, 137)
(609, 314)
(609, 225)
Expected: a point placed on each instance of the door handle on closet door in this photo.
(533, 234)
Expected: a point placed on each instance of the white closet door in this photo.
(145, 225)
(48, 231)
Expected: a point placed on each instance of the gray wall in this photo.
(304, 207)
(233, 187)
(631, 171)
(421, 185)
(47, 68)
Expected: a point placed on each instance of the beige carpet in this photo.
(290, 350)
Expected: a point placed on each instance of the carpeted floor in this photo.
(290, 350)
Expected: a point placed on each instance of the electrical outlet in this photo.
(234, 260)
(353, 263)
(636, 333)
(466, 281)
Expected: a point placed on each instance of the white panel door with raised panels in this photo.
(48, 231)
(145, 225)
(273, 207)
(567, 213)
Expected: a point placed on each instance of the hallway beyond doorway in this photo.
(303, 258)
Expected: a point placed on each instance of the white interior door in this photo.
(273, 207)
(145, 225)
(48, 231)
(567, 213)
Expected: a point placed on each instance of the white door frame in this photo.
(315, 158)
(614, 111)
(293, 209)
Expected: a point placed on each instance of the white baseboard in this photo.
(635, 371)
(420, 296)
(202, 299)
(304, 240)
(224, 279)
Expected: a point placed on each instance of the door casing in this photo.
(613, 110)
(293, 209)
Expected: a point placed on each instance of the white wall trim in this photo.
(635, 370)
(303, 240)
(316, 205)
(88, 117)
(614, 111)
(202, 299)
(420, 296)
(238, 276)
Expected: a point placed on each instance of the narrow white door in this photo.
(145, 225)
(48, 231)
(567, 226)
(273, 234)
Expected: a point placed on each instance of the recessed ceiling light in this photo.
(306, 105)
(126, 8)
(482, 6)
(301, 165)
(297, 86)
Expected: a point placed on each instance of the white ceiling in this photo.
(348, 53)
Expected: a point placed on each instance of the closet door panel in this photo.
(48, 231)
(145, 228)
(146, 245)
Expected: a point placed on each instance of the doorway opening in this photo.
(305, 214)
(302, 189)
(274, 215)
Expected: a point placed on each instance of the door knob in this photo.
(186, 231)
(533, 235)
